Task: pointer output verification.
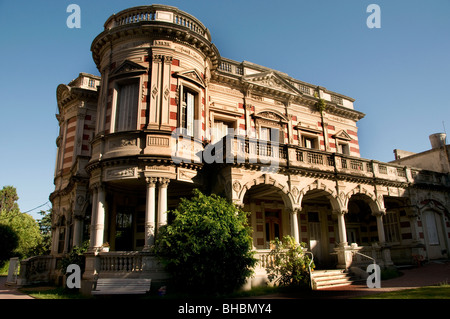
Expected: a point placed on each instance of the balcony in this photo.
(157, 13)
(241, 150)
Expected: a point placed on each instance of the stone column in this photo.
(100, 226)
(380, 226)
(77, 230)
(341, 227)
(294, 225)
(162, 200)
(413, 214)
(98, 218)
(54, 245)
(343, 251)
(93, 218)
(150, 215)
(385, 249)
(67, 236)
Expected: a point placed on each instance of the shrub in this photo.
(8, 243)
(290, 263)
(208, 246)
(76, 256)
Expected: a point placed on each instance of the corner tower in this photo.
(155, 62)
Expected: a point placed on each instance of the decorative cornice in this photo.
(151, 30)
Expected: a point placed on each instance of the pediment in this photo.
(342, 135)
(191, 75)
(271, 80)
(128, 67)
(271, 116)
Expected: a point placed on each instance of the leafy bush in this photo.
(208, 246)
(76, 256)
(289, 266)
(8, 243)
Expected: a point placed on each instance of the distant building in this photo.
(169, 114)
(436, 159)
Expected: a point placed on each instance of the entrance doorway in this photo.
(434, 235)
(273, 224)
(315, 234)
(124, 229)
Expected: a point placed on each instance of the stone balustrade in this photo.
(157, 13)
(244, 150)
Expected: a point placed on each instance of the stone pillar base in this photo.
(344, 254)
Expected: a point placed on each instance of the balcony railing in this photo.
(240, 149)
(161, 13)
(246, 150)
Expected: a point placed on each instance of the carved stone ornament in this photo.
(295, 192)
(120, 172)
(80, 200)
(128, 67)
(154, 91)
(237, 186)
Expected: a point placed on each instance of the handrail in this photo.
(368, 257)
(309, 267)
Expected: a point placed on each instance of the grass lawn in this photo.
(429, 292)
(64, 293)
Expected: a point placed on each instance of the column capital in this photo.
(97, 186)
(151, 181)
(340, 211)
(379, 213)
(163, 181)
(413, 212)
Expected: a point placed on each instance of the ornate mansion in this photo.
(169, 114)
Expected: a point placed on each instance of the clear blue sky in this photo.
(398, 74)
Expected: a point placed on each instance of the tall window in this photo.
(127, 107)
(343, 149)
(187, 113)
(391, 227)
(309, 142)
(269, 134)
(220, 129)
(430, 220)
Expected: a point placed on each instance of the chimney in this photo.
(437, 140)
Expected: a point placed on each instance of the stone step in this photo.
(331, 278)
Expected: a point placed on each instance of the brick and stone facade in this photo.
(134, 140)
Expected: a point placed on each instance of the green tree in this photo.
(208, 246)
(45, 227)
(8, 243)
(290, 266)
(23, 225)
(8, 199)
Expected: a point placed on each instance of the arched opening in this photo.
(361, 224)
(318, 226)
(269, 214)
(434, 220)
(125, 214)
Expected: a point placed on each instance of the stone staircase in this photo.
(331, 278)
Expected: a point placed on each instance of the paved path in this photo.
(430, 274)
(7, 292)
